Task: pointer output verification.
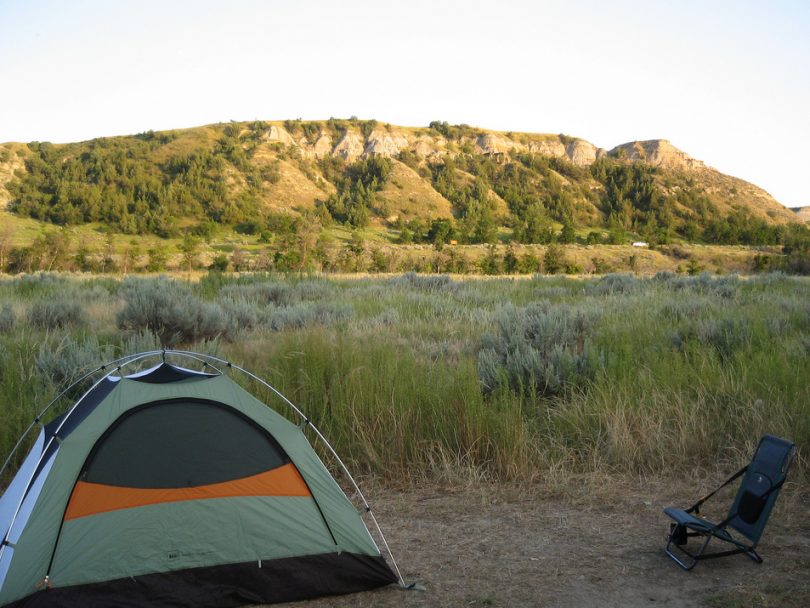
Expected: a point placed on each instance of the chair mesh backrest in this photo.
(755, 499)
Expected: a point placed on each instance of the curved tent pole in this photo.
(205, 359)
(196, 356)
(308, 422)
(101, 368)
(38, 419)
(118, 368)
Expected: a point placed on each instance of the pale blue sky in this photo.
(726, 81)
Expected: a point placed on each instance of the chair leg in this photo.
(753, 555)
(693, 557)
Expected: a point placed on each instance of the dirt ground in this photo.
(598, 545)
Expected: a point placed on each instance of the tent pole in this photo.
(202, 358)
(325, 442)
(38, 419)
(47, 446)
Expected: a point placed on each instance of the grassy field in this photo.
(427, 377)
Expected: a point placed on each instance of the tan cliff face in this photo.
(279, 134)
(658, 152)
(382, 143)
(12, 157)
(581, 152)
(351, 145)
(802, 214)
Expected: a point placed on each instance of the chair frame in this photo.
(694, 558)
(698, 527)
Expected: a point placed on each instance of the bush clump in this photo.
(425, 282)
(242, 314)
(170, 311)
(724, 287)
(278, 294)
(725, 336)
(614, 284)
(7, 318)
(305, 315)
(538, 350)
(43, 283)
(55, 314)
(68, 360)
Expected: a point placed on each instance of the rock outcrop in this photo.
(280, 135)
(549, 147)
(389, 143)
(350, 147)
(581, 152)
(657, 152)
(11, 161)
(802, 213)
(492, 145)
(322, 146)
(428, 147)
(382, 143)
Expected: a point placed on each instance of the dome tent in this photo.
(174, 487)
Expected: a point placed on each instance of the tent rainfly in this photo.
(174, 487)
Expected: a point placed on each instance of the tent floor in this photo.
(280, 580)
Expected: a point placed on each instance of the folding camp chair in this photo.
(749, 512)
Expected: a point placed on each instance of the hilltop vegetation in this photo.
(293, 184)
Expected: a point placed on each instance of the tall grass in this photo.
(420, 377)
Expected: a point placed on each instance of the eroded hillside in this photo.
(364, 173)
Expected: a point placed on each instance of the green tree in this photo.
(529, 263)
(83, 259)
(132, 255)
(190, 250)
(156, 258)
(356, 244)
(441, 232)
(567, 234)
(693, 267)
(219, 263)
(491, 262)
(511, 262)
(380, 261)
(554, 259)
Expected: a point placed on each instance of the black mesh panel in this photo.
(180, 444)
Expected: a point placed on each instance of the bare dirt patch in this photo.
(600, 544)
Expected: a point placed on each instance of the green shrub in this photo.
(306, 315)
(7, 318)
(68, 360)
(54, 314)
(275, 293)
(171, 311)
(539, 349)
(424, 282)
(242, 315)
(615, 284)
(554, 260)
(43, 283)
(724, 335)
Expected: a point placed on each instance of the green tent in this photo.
(175, 487)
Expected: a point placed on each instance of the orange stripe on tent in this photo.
(94, 498)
